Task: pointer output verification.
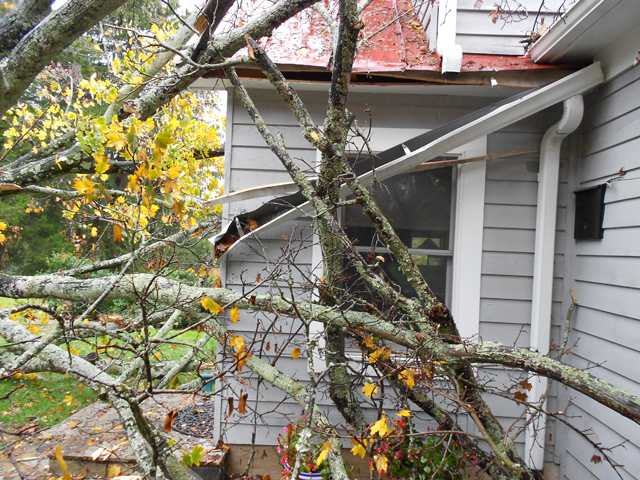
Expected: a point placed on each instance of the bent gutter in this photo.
(430, 145)
(543, 263)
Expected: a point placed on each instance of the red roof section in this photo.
(392, 41)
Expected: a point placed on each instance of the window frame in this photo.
(468, 218)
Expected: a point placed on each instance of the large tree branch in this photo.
(428, 348)
(159, 94)
(20, 20)
(43, 44)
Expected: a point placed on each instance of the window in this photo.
(419, 205)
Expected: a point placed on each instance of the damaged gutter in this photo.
(416, 151)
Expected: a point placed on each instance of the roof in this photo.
(393, 42)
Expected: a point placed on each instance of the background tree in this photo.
(140, 173)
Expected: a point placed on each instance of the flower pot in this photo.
(307, 476)
(207, 376)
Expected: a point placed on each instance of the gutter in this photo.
(422, 148)
(543, 265)
(570, 27)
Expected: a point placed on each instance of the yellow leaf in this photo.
(404, 413)
(102, 164)
(74, 351)
(68, 400)
(315, 135)
(369, 389)
(114, 470)
(382, 463)
(157, 355)
(173, 172)
(358, 449)
(235, 315)
(60, 459)
(117, 233)
(84, 186)
(237, 342)
(323, 454)
(212, 306)
(94, 232)
(380, 427)
(33, 329)
(407, 377)
(96, 429)
(295, 354)
(116, 140)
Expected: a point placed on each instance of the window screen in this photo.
(419, 206)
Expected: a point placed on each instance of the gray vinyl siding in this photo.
(604, 276)
(509, 230)
(251, 163)
(508, 244)
(476, 32)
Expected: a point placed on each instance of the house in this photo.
(506, 251)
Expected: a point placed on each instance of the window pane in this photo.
(418, 205)
(432, 267)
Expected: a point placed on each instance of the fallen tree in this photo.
(412, 342)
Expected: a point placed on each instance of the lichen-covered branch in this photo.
(43, 44)
(18, 21)
(427, 347)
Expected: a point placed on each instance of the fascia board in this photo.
(566, 30)
(503, 116)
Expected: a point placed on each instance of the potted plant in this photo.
(400, 455)
(297, 441)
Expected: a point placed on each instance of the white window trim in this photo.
(467, 234)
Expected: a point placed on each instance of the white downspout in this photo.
(446, 46)
(543, 263)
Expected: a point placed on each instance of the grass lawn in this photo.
(49, 398)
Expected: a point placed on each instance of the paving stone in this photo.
(93, 439)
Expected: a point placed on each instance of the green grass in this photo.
(45, 399)
(49, 398)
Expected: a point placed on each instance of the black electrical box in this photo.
(589, 213)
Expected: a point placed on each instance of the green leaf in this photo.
(196, 455)
(164, 139)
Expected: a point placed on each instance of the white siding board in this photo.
(602, 93)
(255, 158)
(514, 288)
(518, 193)
(248, 136)
(610, 358)
(507, 240)
(617, 300)
(583, 451)
(496, 310)
(622, 190)
(623, 426)
(517, 217)
(506, 333)
(616, 329)
(622, 214)
(606, 164)
(616, 105)
(613, 133)
(620, 271)
(521, 168)
(517, 264)
(616, 242)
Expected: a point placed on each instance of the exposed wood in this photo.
(284, 188)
